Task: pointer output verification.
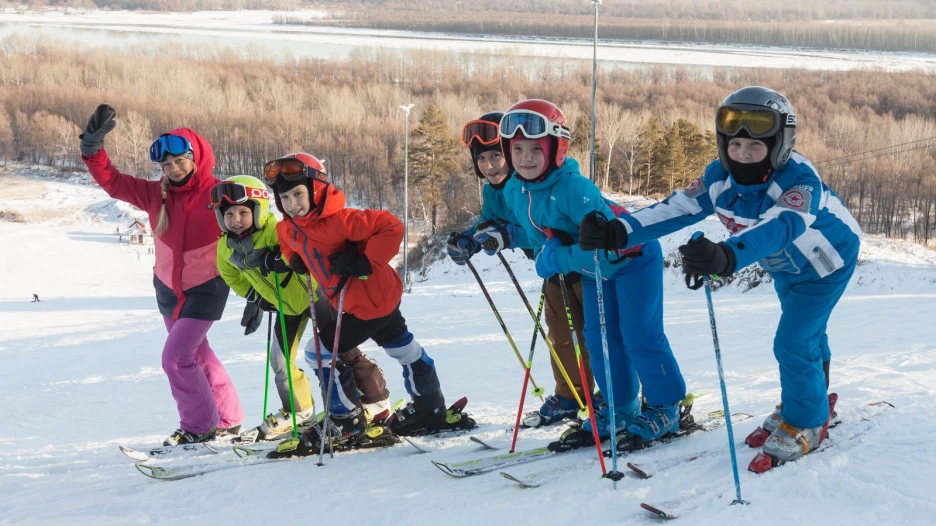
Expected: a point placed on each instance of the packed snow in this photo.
(81, 374)
(256, 33)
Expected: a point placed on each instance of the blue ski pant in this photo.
(638, 348)
(801, 344)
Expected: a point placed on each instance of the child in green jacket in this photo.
(247, 254)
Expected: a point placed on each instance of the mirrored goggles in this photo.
(531, 125)
(235, 193)
(174, 145)
(484, 132)
(289, 169)
(759, 123)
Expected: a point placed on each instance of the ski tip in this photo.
(638, 470)
(447, 470)
(459, 404)
(419, 448)
(657, 511)
(243, 452)
(133, 454)
(152, 472)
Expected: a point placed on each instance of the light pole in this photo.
(406, 281)
(592, 167)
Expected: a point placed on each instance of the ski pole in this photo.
(266, 382)
(721, 379)
(549, 345)
(581, 364)
(331, 380)
(317, 345)
(529, 365)
(287, 349)
(538, 391)
(614, 474)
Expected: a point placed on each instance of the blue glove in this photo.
(547, 261)
(462, 246)
(494, 237)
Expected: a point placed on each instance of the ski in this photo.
(762, 462)
(658, 512)
(483, 444)
(627, 443)
(479, 466)
(711, 421)
(180, 451)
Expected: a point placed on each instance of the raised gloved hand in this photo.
(102, 122)
(596, 232)
(702, 257)
(494, 237)
(460, 247)
(547, 261)
(272, 261)
(350, 262)
(253, 311)
(297, 265)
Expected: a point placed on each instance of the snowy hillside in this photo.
(80, 373)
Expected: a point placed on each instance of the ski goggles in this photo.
(169, 145)
(484, 132)
(759, 122)
(289, 169)
(531, 125)
(235, 193)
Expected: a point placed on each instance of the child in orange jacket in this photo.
(351, 249)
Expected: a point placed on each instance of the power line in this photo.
(861, 156)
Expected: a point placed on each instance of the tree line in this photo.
(870, 133)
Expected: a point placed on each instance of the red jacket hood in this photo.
(328, 200)
(204, 162)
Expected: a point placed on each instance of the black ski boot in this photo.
(345, 431)
(182, 436)
(424, 413)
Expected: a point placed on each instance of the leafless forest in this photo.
(871, 133)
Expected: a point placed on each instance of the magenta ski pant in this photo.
(202, 389)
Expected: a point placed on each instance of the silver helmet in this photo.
(761, 112)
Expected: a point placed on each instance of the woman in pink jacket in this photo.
(189, 291)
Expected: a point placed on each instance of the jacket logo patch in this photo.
(794, 199)
(585, 199)
(730, 223)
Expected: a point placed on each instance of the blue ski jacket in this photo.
(794, 225)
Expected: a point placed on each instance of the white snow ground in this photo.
(80, 373)
(246, 30)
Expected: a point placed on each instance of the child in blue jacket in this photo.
(549, 198)
(780, 214)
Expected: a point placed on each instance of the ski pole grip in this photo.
(697, 235)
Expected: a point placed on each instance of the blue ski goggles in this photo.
(173, 145)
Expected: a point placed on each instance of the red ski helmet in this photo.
(534, 119)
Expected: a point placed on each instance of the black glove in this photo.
(273, 262)
(350, 262)
(297, 265)
(253, 311)
(597, 232)
(102, 122)
(701, 257)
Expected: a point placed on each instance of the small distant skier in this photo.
(36, 298)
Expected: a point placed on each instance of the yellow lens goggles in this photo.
(758, 123)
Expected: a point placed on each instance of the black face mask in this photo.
(750, 174)
(183, 181)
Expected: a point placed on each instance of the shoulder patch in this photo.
(795, 199)
(695, 188)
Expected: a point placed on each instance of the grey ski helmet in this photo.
(758, 98)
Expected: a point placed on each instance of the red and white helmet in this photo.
(534, 119)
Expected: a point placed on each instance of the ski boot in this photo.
(787, 443)
(555, 409)
(378, 412)
(426, 412)
(344, 430)
(579, 436)
(182, 436)
(227, 431)
(759, 436)
(656, 422)
(280, 423)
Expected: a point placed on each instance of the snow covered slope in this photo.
(80, 373)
